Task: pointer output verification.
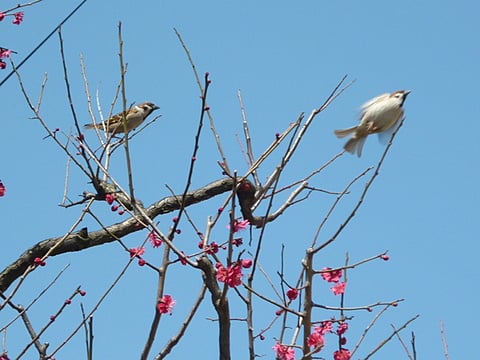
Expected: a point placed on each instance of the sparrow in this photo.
(133, 116)
(378, 115)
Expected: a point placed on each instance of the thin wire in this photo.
(42, 42)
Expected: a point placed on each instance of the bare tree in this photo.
(230, 273)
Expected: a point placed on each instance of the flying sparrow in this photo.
(378, 115)
(133, 116)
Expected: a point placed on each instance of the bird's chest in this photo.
(382, 116)
(135, 119)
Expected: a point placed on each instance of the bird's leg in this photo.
(371, 128)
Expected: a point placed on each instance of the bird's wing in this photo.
(369, 103)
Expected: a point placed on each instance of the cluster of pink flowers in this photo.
(334, 276)
(18, 17)
(342, 354)
(232, 275)
(317, 338)
(284, 352)
(110, 199)
(154, 239)
(210, 249)
(5, 53)
(165, 305)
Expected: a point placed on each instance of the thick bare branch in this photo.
(78, 242)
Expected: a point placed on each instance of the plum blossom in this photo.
(331, 276)
(239, 225)
(18, 18)
(3, 189)
(284, 352)
(342, 328)
(136, 251)
(315, 339)
(339, 288)
(231, 275)
(342, 354)
(292, 294)
(165, 305)
(247, 263)
(324, 328)
(154, 239)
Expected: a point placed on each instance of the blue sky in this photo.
(285, 58)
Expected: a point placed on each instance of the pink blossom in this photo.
(183, 259)
(4, 355)
(237, 242)
(136, 251)
(154, 239)
(315, 339)
(342, 328)
(231, 275)
(339, 288)
(4, 53)
(240, 225)
(3, 189)
(324, 328)
(18, 18)
(3, 64)
(342, 354)
(292, 294)
(39, 261)
(284, 352)
(331, 276)
(212, 248)
(165, 305)
(109, 198)
(246, 263)
(2, 16)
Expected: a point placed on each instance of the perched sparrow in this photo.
(378, 115)
(134, 117)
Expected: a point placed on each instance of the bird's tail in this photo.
(355, 145)
(344, 132)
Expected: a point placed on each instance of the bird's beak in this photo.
(158, 107)
(406, 92)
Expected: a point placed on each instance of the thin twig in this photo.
(397, 334)
(444, 340)
(385, 341)
(202, 91)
